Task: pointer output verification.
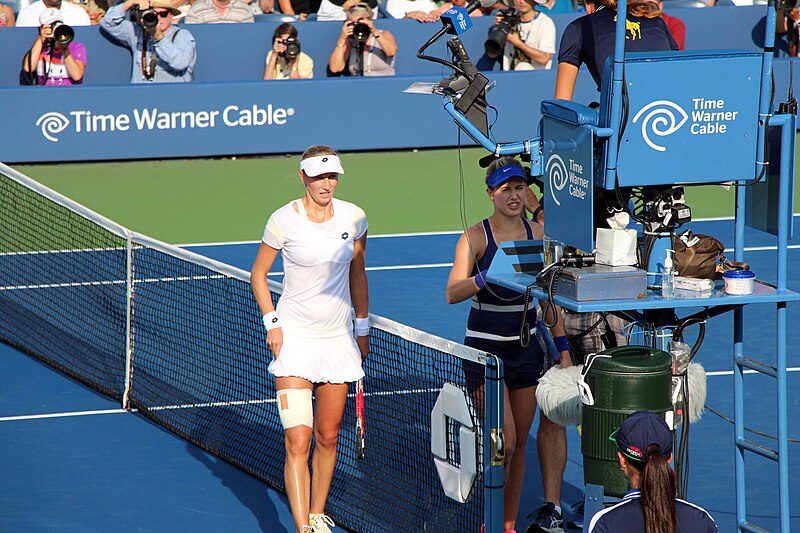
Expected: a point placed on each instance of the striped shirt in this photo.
(204, 12)
(496, 313)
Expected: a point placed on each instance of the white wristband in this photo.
(362, 327)
(271, 320)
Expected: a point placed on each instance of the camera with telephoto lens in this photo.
(62, 34)
(497, 37)
(292, 45)
(147, 18)
(361, 32)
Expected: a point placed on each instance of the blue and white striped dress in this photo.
(494, 324)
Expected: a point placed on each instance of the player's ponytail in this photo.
(657, 486)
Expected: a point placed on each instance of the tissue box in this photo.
(615, 247)
(602, 282)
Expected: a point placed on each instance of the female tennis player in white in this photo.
(323, 241)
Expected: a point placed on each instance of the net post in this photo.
(494, 446)
(126, 396)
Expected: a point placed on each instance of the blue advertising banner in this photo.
(209, 119)
(699, 109)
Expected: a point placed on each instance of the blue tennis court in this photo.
(75, 461)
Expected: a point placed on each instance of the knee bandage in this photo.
(294, 408)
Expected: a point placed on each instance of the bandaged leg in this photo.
(294, 408)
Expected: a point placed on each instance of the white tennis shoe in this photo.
(320, 522)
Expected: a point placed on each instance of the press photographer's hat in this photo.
(638, 431)
(321, 164)
(49, 16)
(163, 4)
(505, 173)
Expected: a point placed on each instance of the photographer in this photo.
(362, 49)
(285, 61)
(525, 37)
(54, 58)
(161, 52)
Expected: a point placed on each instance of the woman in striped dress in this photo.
(496, 317)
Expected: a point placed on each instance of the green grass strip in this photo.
(189, 201)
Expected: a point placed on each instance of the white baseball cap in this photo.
(321, 164)
(49, 16)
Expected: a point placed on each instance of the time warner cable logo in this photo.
(155, 119)
(558, 175)
(661, 118)
(52, 124)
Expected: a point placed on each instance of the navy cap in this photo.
(638, 431)
(505, 173)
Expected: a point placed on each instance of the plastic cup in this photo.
(739, 282)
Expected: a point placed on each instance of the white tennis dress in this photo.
(315, 307)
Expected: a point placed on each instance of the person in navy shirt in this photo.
(644, 450)
(589, 40)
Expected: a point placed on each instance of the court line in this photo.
(420, 234)
(62, 415)
(265, 401)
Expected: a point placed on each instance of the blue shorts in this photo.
(522, 367)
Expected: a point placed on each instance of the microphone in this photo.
(456, 20)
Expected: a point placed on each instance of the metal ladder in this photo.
(742, 363)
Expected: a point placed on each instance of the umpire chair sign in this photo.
(568, 182)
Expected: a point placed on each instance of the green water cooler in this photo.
(620, 381)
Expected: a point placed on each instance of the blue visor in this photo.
(503, 174)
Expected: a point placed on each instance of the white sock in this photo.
(557, 508)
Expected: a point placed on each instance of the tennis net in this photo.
(177, 338)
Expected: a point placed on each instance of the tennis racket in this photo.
(360, 418)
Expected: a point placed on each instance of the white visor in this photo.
(321, 164)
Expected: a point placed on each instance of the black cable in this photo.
(525, 329)
(749, 430)
(550, 284)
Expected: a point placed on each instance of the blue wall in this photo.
(54, 124)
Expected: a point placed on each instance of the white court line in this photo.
(420, 234)
(62, 415)
(392, 267)
(730, 372)
(270, 400)
(194, 406)
(112, 282)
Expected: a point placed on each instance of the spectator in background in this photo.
(788, 22)
(459, 3)
(337, 9)
(556, 6)
(73, 15)
(97, 10)
(301, 8)
(370, 53)
(675, 26)
(287, 62)
(51, 62)
(162, 53)
(421, 10)
(219, 12)
(7, 18)
(532, 43)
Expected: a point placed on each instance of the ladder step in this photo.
(763, 451)
(752, 528)
(758, 366)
